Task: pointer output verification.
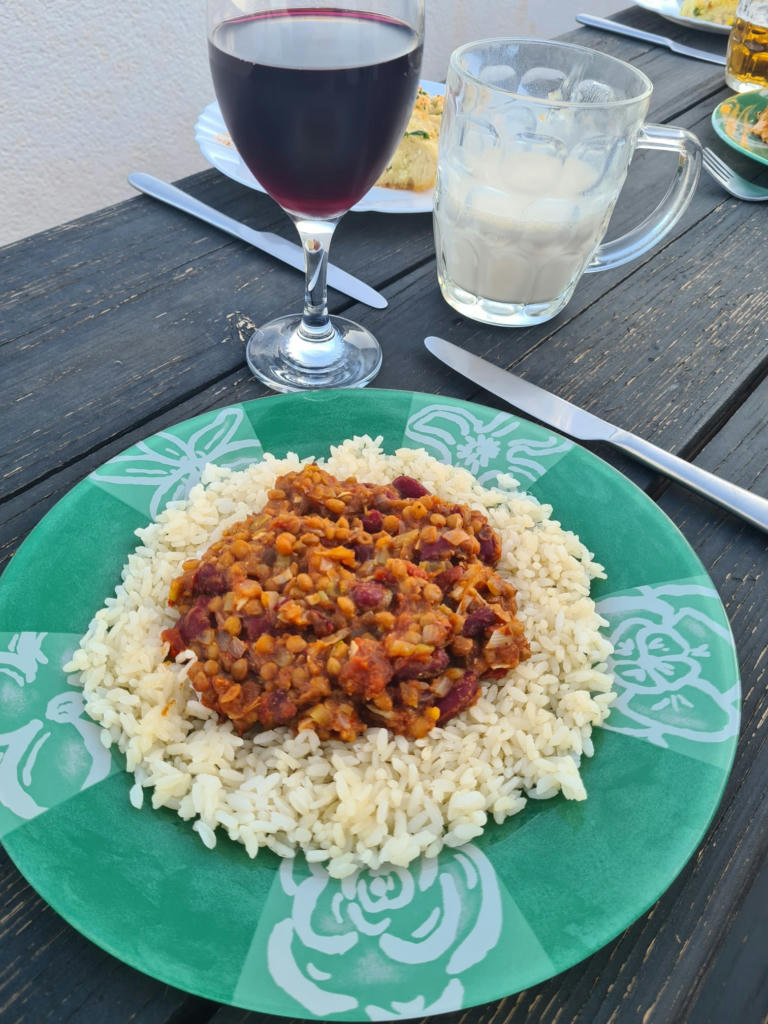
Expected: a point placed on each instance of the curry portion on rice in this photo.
(344, 605)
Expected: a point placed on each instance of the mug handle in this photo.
(671, 208)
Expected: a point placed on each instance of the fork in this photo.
(730, 180)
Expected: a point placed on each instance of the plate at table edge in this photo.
(475, 924)
(732, 118)
(210, 128)
(670, 9)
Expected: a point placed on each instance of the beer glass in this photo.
(746, 62)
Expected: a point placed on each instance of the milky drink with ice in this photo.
(519, 227)
(535, 144)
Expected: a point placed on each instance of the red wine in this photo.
(316, 100)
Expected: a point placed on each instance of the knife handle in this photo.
(742, 503)
(183, 201)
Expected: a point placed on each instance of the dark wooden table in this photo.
(134, 318)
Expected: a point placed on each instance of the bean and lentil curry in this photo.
(343, 605)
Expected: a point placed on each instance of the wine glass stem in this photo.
(316, 330)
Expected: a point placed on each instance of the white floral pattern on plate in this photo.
(168, 465)
(664, 641)
(393, 921)
(499, 443)
(43, 728)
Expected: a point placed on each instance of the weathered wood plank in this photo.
(742, 957)
(129, 247)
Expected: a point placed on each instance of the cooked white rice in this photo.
(382, 799)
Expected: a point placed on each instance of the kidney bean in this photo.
(321, 624)
(369, 594)
(407, 487)
(463, 695)
(478, 621)
(362, 552)
(372, 521)
(255, 625)
(195, 621)
(490, 545)
(275, 709)
(419, 668)
(446, 579)
(210, 580)
(434, 551)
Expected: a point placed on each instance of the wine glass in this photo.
(316, 95)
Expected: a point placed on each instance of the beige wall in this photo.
(452, 22)
(93, 90)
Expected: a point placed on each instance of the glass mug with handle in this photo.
(535, 145)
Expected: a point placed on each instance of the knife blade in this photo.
(562, 415)
(650, 37)
(266, 241)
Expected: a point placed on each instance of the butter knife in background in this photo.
(568, 418)
(268, 242)
(650, 37)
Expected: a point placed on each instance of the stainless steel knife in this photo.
(268, 242)
(565, 416)
(650, 37)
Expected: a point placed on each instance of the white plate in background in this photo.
(216, 146)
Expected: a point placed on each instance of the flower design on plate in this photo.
(498, 443)
(669, 645)
(49, 749)
(168, 465)
(404, 936)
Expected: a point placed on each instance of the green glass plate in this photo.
(733, 118)
(522, 903)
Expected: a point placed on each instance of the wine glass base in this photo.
(282, 356)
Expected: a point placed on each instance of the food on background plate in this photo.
(380, 797)
(414, 163)
(342, 605)
(735, 120)
(760, 127)
(721, 12)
